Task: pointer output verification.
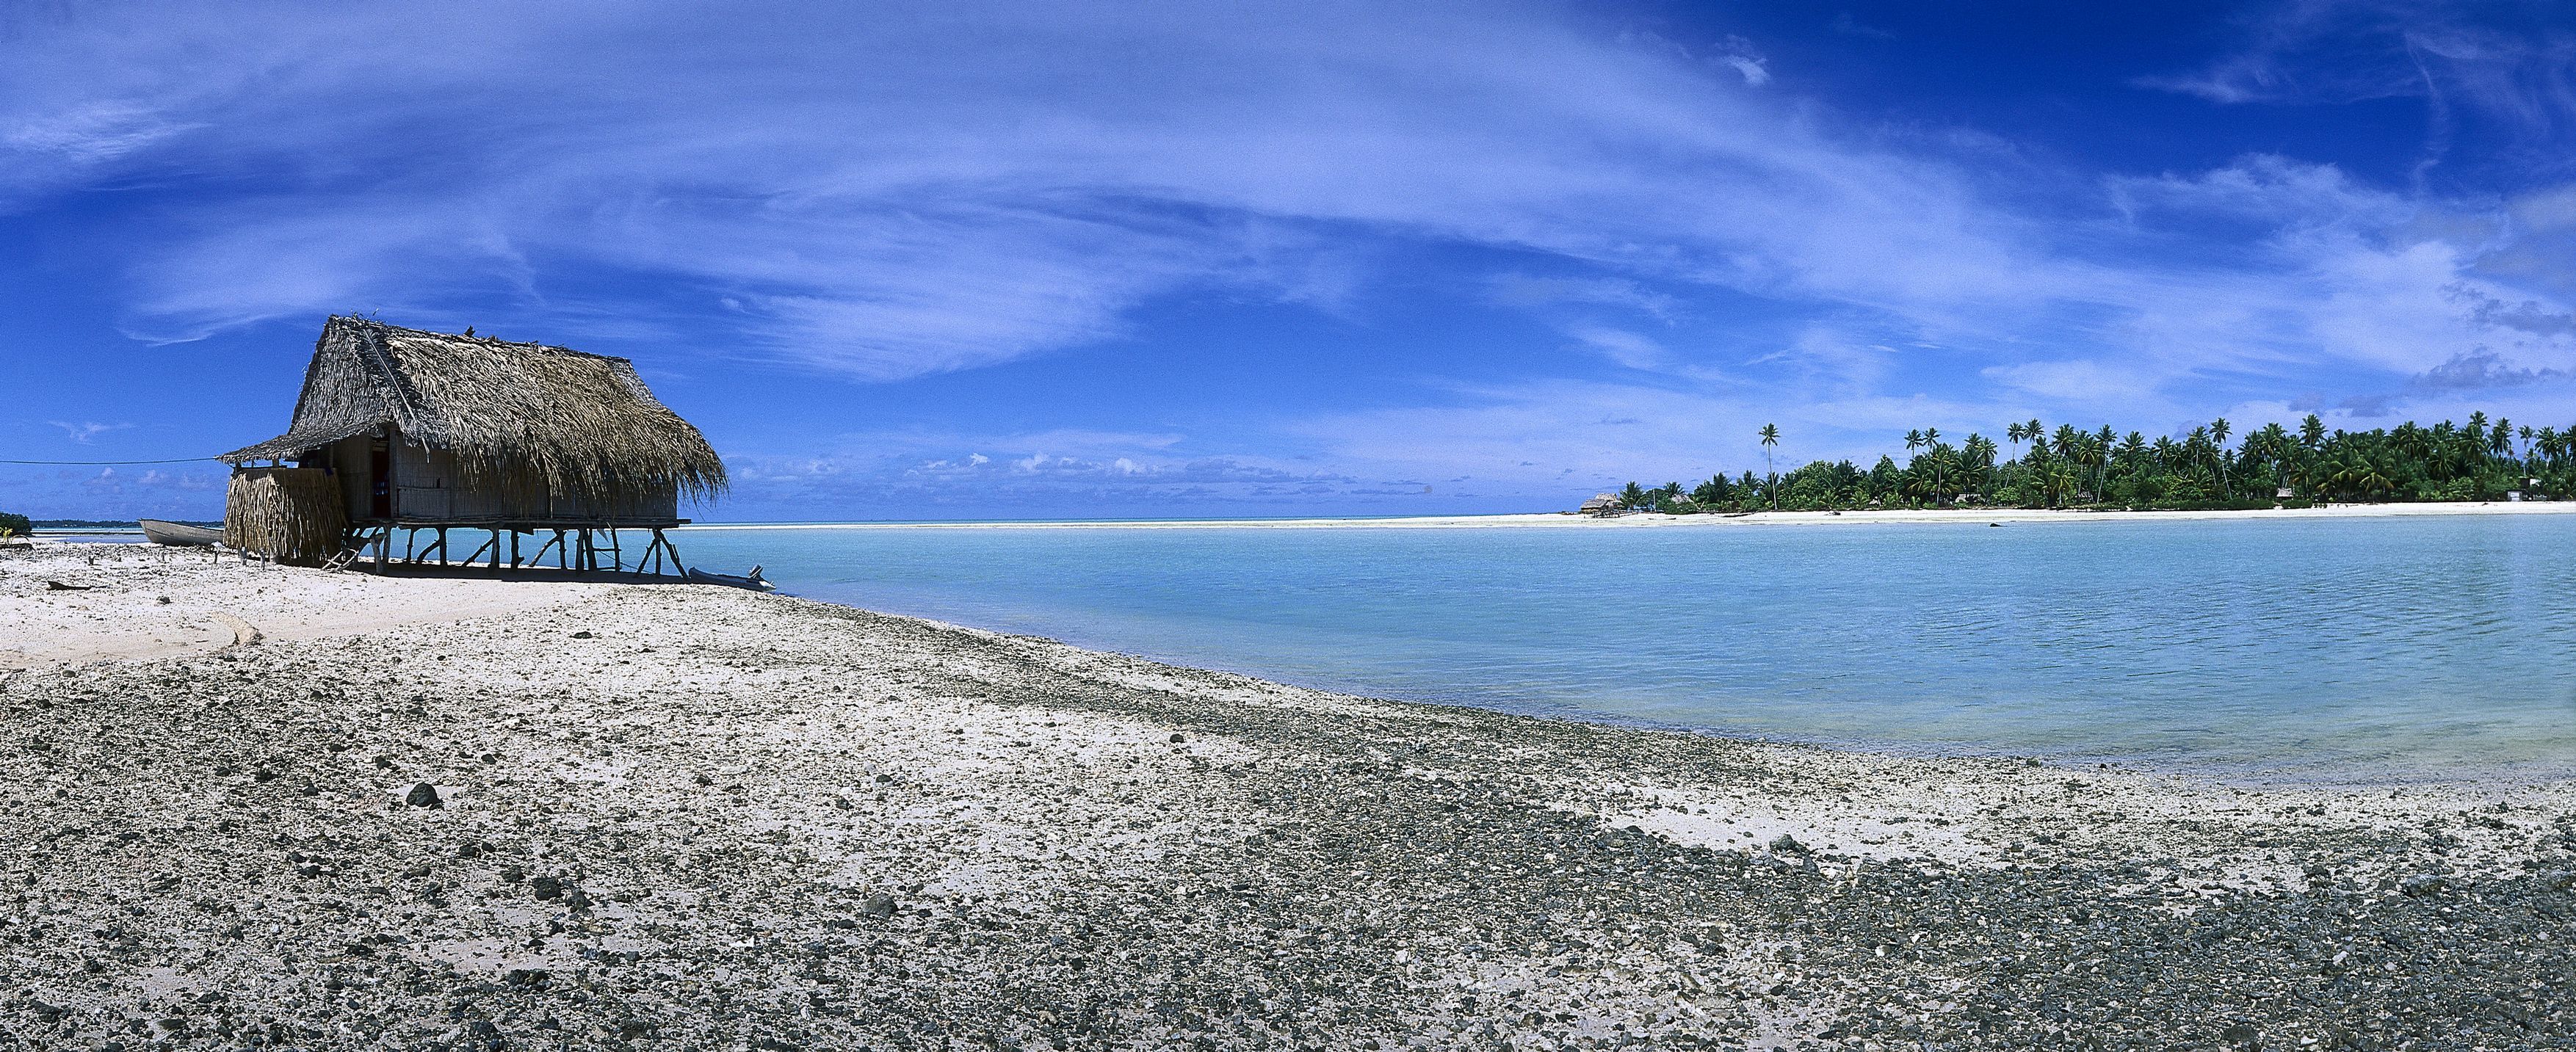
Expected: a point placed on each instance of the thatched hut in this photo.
(400, 429)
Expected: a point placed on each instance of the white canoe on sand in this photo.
(751, 580)
(179, 534)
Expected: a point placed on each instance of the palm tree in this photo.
(2100, 454)
(1770, 438)
(2063, 443)
(1633, 497)
(2312, 431)
(2276, 446)
(2013, 432)
(1931, 435)
(2133, 454)
(2057, 485)
(2218, 435)
(1710, 493)
(1980, 453)
(1914, 440)
(2094, 455)
(1934, 474)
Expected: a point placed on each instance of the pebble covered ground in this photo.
(692, 818)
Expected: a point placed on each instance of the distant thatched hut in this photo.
(400, 429)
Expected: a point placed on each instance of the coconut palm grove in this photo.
(2069, 467)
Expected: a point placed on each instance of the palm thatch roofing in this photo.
(514, 414)
(292, 515)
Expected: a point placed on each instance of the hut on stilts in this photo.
(401, 431)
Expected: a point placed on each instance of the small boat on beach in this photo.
(751, 580)
(179, 534)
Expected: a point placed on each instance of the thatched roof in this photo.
(581, 424)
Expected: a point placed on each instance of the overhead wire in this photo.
(104, 463)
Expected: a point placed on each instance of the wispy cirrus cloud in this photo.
(2508, 66)
(972, 184)
(1691, 239)
(965, 187)
(82, 433)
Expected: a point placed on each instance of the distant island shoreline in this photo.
(1574, 520)
(1635, 519)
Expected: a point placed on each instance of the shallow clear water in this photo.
(2388, 647)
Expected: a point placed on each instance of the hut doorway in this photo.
(380, 480)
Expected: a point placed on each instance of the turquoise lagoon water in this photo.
(2379, 648)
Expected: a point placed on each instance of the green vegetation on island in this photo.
(2071, 468)
(14, 525)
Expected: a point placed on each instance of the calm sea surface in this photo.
(2305, 648)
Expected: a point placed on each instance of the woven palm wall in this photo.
(291, 515)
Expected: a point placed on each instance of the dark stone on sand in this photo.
(423, 794)
(547, 888)
(583, 634)
(1788, 845)
(879, 906)
(1177, 738)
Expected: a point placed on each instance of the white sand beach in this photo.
(135, 601)
(688, 817)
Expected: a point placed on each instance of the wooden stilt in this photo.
(514, 549)
(683, 570)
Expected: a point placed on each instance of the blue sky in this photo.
(959, 260)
